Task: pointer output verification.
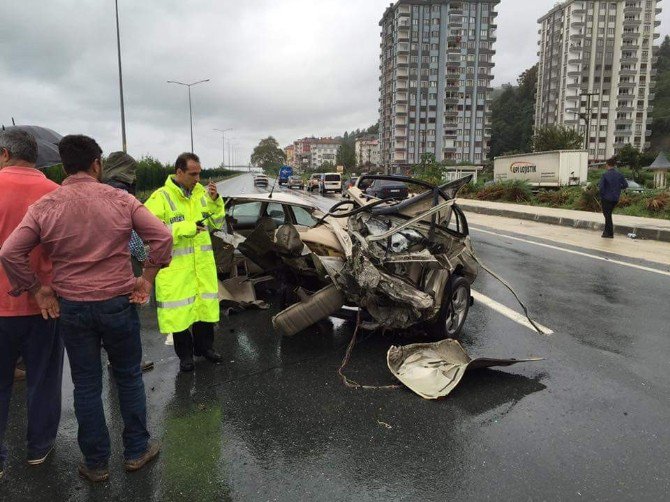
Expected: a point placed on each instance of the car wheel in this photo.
(454, 310)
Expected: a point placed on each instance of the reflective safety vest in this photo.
(187, 291)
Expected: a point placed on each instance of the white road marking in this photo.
(578, 253)
(509, 313)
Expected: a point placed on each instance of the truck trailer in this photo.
(544, 169)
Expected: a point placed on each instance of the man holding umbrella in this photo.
(25, 327)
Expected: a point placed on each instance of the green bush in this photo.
(506, 191)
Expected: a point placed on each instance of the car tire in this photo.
(457, 297)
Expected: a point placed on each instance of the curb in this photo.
(650, 233)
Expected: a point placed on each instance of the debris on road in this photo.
(433, 370)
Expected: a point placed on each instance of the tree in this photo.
(429, 170)
(660, 127)
(631, 157)
(513, 113)
(346, 154)
(557, 137)
(268, 155)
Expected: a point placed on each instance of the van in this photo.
(330, 182)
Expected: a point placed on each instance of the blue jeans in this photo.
(37, 341)
(114, 325)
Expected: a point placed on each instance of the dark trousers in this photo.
(114, 325)
(608, 207)
(38, 342)
(196, 341)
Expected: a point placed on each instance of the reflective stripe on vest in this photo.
(169, 201)
(207, 248)
(203, 201)
(209, 296)
(177, 304)
(183, 251)
(219, 221)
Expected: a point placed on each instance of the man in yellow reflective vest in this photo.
(187, 290)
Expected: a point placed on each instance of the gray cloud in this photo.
(289, 68)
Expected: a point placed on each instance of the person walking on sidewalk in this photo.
(187, 290)
(611, 184)
(84, 227)
(23, 329)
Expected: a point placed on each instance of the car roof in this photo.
(281, 197)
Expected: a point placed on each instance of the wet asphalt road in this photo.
(275, 423)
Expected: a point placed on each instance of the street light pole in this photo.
(118, 50)
(223, 132)
(190, 108)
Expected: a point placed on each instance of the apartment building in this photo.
(367, 151)
(290, 155)
(435, 86)
(596, 71)
(323, 150)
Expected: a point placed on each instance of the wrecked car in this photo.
(400, 264)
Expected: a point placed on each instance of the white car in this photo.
(330, 182)
(260, 180)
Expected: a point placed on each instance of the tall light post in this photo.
(118, 50)
(190, 108)
(223, 132)
(230, 149)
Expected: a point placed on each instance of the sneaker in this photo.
(186, 365)
(94, 475)
(39, 460)
(153, 448)
(147, 366)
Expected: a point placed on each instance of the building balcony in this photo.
(630, 47)
(624, 121)
(629, 59)
(628, 73)
(627, 23)
(627, 85)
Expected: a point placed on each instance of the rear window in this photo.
(332, 177)
(388, 183)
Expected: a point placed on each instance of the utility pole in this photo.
(587, 116)
(190, 108)
(118, 50)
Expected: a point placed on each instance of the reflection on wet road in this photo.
(273, 422)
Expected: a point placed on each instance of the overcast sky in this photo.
(287, 68)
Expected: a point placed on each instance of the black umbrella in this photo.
(47, 144)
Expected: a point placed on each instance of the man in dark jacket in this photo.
(611, 184)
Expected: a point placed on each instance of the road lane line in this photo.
(508, 312)
(578, 253)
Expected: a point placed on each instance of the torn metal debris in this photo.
(433, 370)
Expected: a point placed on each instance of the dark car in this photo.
(387, 189)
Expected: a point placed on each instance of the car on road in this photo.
(295, 182)
(634, 187)
(330, 182)
(313, 182)
(261, 180)
(387, 189)
(409, 264)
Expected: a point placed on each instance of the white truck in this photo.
(544, 169)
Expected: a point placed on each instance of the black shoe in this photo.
(94, 475)
(212, 356)
(607, 236)
(186, 365)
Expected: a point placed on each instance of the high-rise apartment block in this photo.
(595, 72)
(436, 71)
